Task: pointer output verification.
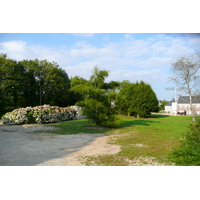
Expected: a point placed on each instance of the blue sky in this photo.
(128, 56)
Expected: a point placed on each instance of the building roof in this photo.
(186, 99)
(170, 103)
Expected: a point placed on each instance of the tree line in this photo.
(37, 82)
(102, 101)
(31, 83)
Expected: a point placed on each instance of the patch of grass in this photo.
(76, 126)
(105, 160)
(158, 135)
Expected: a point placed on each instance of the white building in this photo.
(183, 104)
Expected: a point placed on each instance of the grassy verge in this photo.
(154, 136)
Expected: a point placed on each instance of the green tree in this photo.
(11, 83)
(137, 99)
(47, 83)
(124, 97)
(98, 97)
(76, 96)
(30, 89)
(32, 82)
(162, 105)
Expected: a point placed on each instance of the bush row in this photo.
(40, 115)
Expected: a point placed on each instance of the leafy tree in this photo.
(47, 82)
(76, 96)
(32, 82)
(124, 97)
(11, 83)
(137, 99)
(98, 97)
(186, 75)
(30, 89)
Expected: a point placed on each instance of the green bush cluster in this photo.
(188, 154)
(40, 115)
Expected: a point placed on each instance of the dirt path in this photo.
(22, 146)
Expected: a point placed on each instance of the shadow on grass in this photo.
(157, 116)
(87, 126)
(78, 126)
(131, 121)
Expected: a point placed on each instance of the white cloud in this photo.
(84, 34)
(14, 49)
(195, 43)
(15, 46)
(127, 36)
(83, 69)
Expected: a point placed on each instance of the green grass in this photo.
(76, 127)
(154, 136)
(157, 135)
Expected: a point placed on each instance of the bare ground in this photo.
(21, 145)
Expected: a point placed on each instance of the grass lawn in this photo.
(153, 136)
(77, 126)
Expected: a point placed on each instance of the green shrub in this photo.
(188, 154)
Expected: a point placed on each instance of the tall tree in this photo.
(124, 97)
(186, 76)
(47, 82)
(98, 97)
(137, 99)
(74, 95)
(11, 83)
(32, 82)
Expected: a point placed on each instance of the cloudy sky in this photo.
(127, 56)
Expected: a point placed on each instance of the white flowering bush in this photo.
(40, 115)
(79, 113)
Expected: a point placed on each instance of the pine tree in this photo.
(98, 98)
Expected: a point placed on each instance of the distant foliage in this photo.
(188, 154)
(39, 115)
(162, 105)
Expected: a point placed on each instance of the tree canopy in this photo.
(137, 99)
(98, 97)
(32, 82)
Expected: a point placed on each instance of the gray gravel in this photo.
(22, 146)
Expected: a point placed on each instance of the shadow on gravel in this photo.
(20, 145)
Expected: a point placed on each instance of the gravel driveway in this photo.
(21, 145)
